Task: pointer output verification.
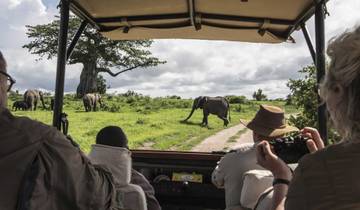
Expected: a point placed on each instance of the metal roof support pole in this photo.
(308, 42)
(320, 65)
(76, 39)
(61, 63)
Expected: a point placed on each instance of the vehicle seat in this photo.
(132, 197)
(255, 182)
(265, 200)
(118, 161)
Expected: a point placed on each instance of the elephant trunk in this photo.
(191, 113)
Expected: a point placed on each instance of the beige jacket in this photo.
(118, 160)
(327, 179)
(230, 170)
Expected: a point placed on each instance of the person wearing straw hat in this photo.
(268, 123)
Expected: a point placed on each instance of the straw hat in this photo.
(269, 121)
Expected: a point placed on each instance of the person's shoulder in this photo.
(34, 128)
(320, 157)
(240, 151)
(243, 148)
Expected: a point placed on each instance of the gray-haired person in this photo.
(329, 177)
(41, 169)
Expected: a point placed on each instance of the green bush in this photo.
(236, 99)
(304, 97)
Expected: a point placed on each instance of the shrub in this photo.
(236, 99)
(238, 108)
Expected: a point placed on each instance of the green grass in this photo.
(145, 123)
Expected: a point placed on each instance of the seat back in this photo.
(132, 197)
(255, 182)
(265, 200)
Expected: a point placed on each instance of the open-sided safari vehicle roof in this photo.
(237, 20)
(260, 21)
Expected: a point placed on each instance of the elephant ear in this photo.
(202, 101)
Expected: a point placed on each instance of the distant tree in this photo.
(259, 96)
(236, 99)
(97, 53)
(173, 97)
(100, 84)
(304, 96)
(288, 100)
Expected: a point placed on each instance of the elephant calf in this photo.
(22, 105)
(218, 106)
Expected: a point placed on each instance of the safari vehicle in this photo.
(260, 21)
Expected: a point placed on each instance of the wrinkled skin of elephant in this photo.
(91, 100)
(32, 97)
(218, 106)
(21, 105)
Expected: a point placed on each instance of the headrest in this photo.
(255, 182)
(117, 159)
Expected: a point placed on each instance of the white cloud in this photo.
(193, 67)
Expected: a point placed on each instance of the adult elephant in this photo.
(91, 100)
(32, 97)
(218, 106)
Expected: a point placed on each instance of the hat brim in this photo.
(269, 132)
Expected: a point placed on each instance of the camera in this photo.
(290, 148)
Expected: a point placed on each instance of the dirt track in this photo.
(225, 140)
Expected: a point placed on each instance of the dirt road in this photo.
(225, 140)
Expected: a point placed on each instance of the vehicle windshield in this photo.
(151, 106)
(156, 94)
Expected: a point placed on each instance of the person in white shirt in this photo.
(268, 123)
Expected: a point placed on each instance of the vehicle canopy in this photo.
(250, 21)
(259, 21)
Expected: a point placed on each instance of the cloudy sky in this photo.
(193, 68)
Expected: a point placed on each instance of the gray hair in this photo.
(344, 71)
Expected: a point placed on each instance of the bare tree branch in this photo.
(122, 71)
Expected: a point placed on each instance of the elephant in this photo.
(218, 106)
(31, 97)
(91, 100)
(21, 105)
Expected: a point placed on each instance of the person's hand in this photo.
(267, 159)
(315, 142)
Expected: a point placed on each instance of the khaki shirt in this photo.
(229, 172)
(327, 179)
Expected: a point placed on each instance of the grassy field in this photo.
(149, 123)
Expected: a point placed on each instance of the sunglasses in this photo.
(10, 81)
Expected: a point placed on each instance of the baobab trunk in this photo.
(87, 79)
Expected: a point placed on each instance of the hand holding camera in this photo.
(290, 148)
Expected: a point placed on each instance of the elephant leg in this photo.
(205, 118)
(224, 118)
(95, 107)
(35, 105)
